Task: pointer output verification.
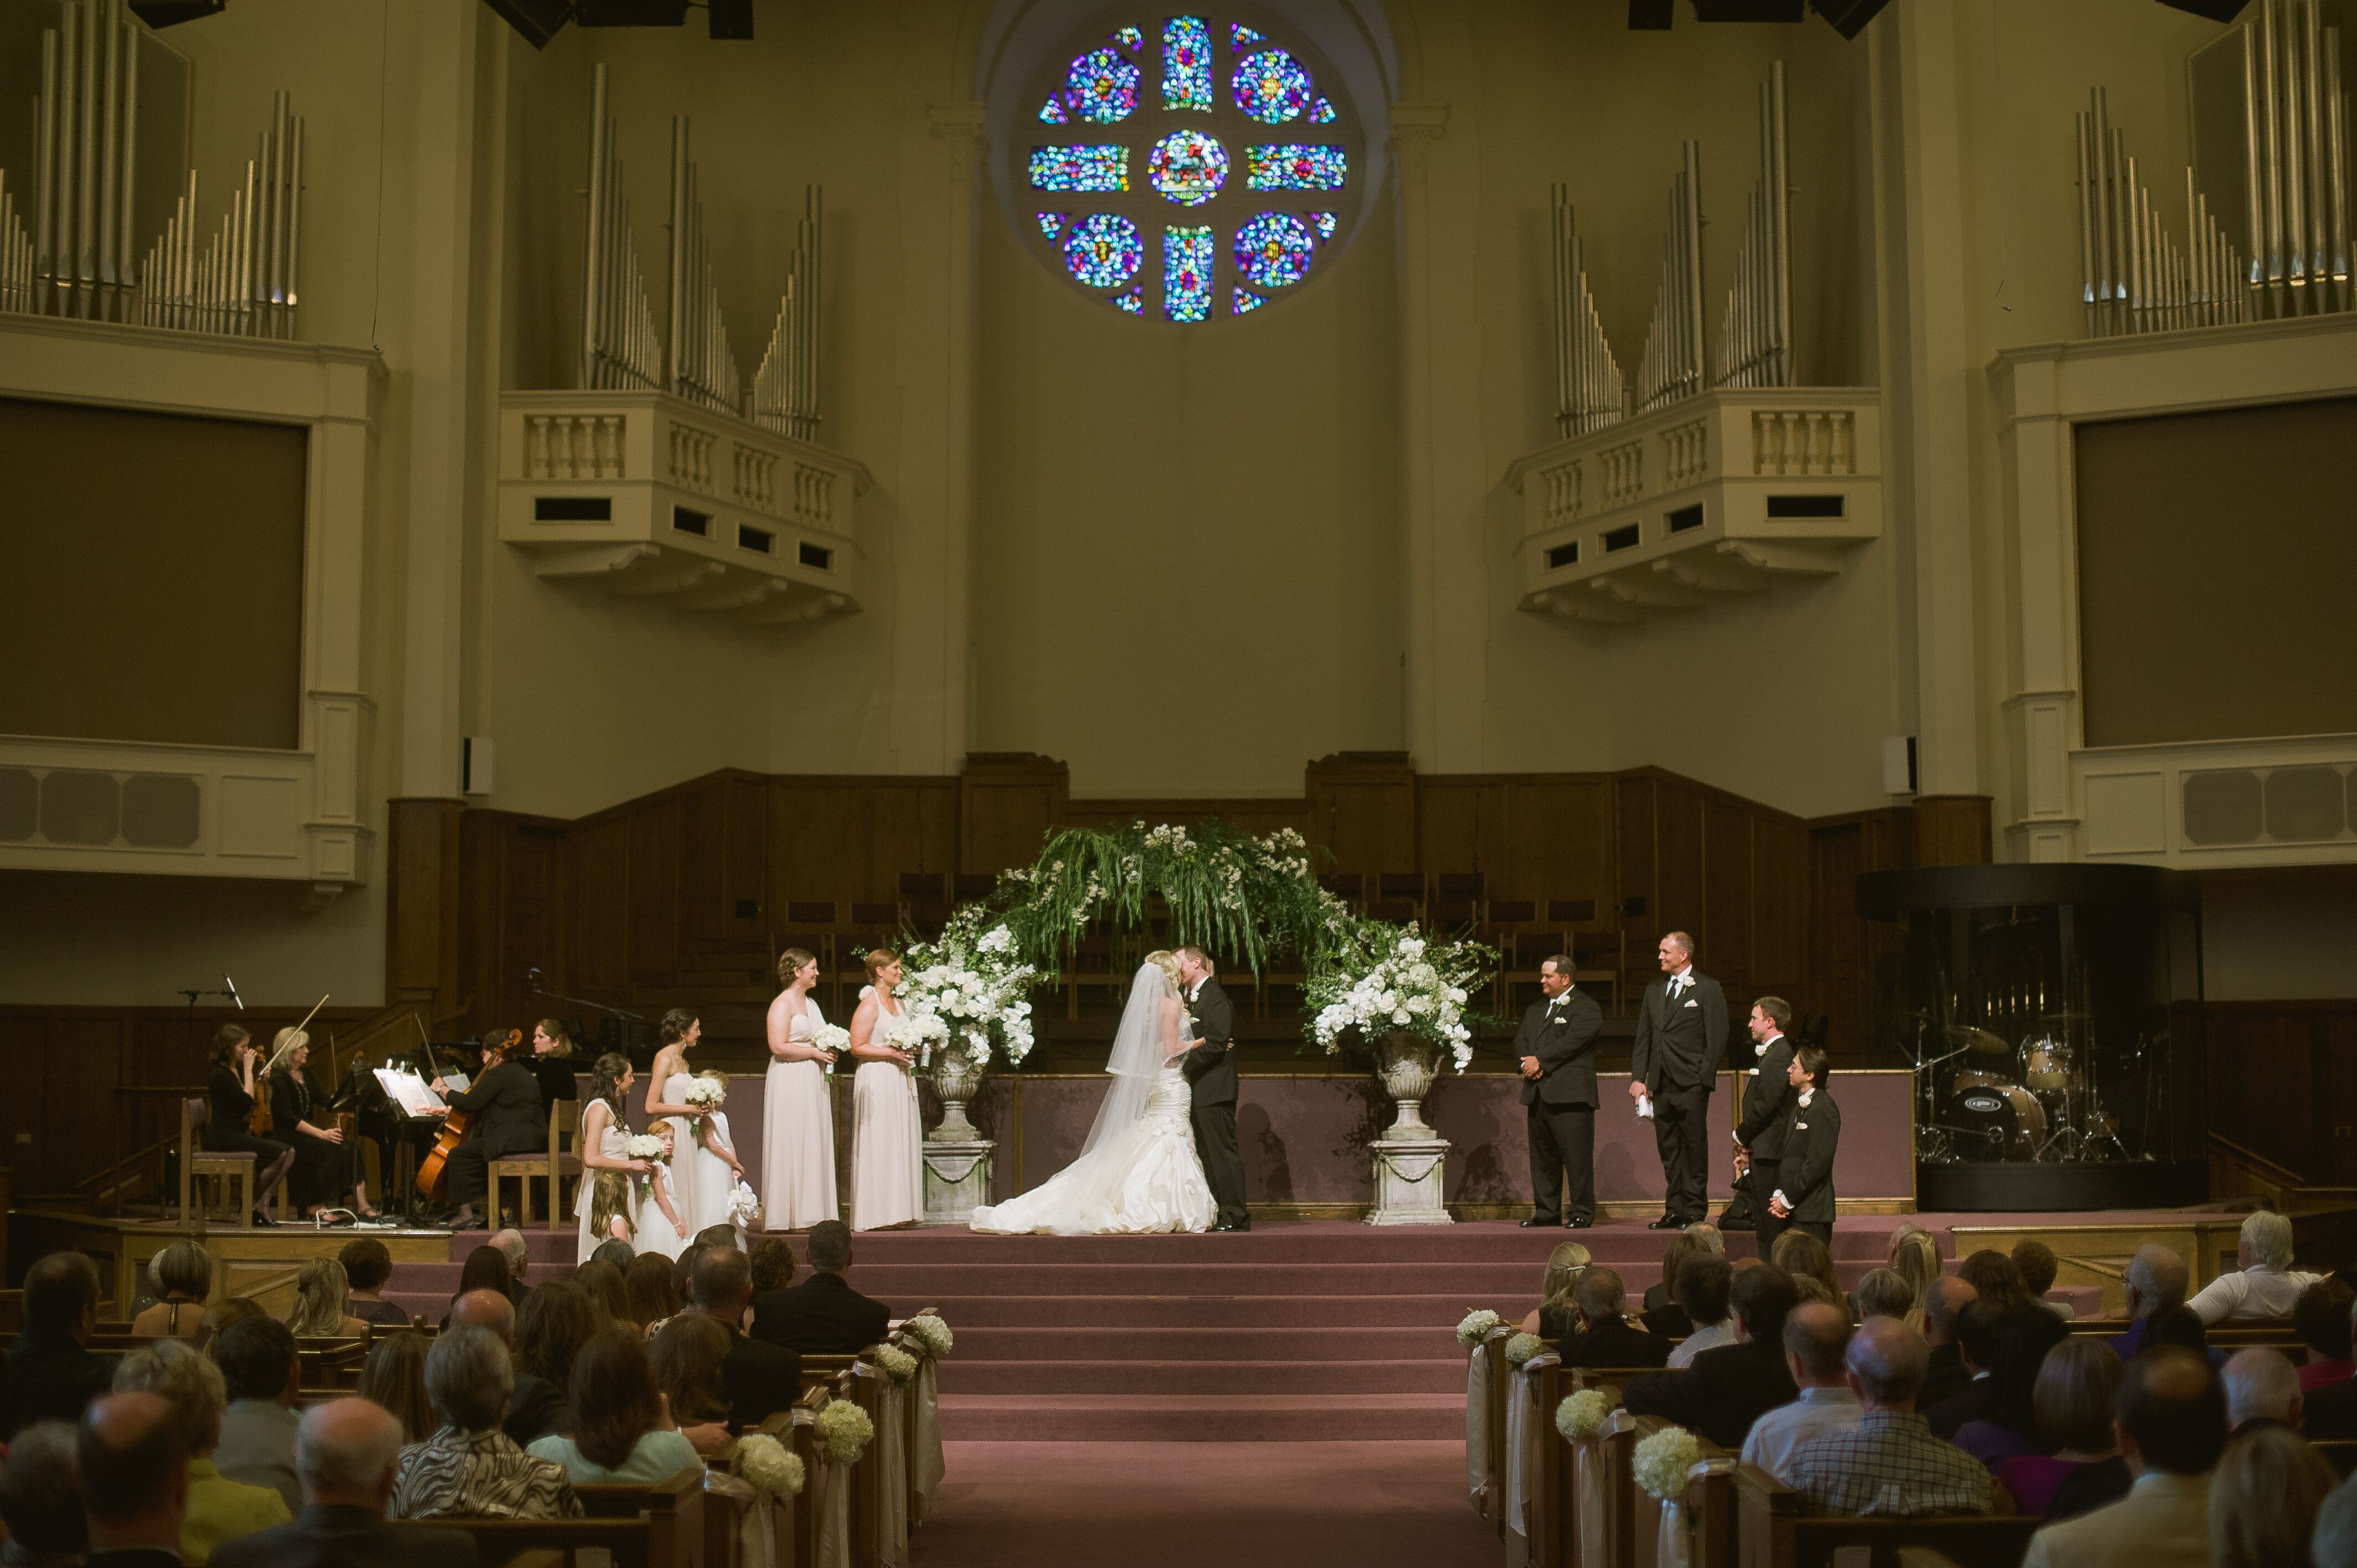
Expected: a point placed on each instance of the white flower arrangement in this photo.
(1522, 1348)
(704, 1095)
(845, 1430)
(768, 1463)
(744, 1207)
(1581, 1415)
(970, 986)
(934, 1334)
(831, 1038)
(917, 1034)
(646, 1146)
(1476, 1327)
(1662, 1461)
(895, 1363)
(1380, 977)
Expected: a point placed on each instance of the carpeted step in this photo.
(1475, 1282)
(1243, 1343)
(1201, 1377)
(1211, 1311)
(1201, 1418)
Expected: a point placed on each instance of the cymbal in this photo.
(1980, 1040)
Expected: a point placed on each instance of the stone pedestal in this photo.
(1408, 1175)
(957, 1178)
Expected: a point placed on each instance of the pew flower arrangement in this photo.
(932, 1333)
(895, 1363)
(1581, 1415)
(845, 1430)
(972, 983)
(1522, 1348)
(1376, 977)
(1475, 1326)
(1660, 1463)
(762, 1460)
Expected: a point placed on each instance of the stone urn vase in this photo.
(958, 1158)
(956, 1077)
(1410, 1159)
(1407, 1062)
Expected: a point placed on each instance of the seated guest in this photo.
(652, 1295)
(2037, 1264)
(2172, 1422)
(1703, 1284)
(40, 1501)
(184, 1277)
(220, 1315)
(1798, 1253)
(2264, 1498)
(367, 1265)
(555, 1320)
(1553, 1318)
(772, 1263)
(51, 1376)
(1976, 1339)
(823, 1316)
(2071, 1404)
(518, 1252)
(485, 1268)
(258, 1367)
(2155, 1281)
(1726, 1390)
(347, 1452)
(469, 1468)
(1663, 1315)
(1915, 1258)
(601, 1282)
(2007, 1425)
(621, 1255)
(2334, 1543)
(1609, 1339)
(133, 1479)
(2322, 1317)
(2262, 1391)
(1816, 1344)
(218, 1508)
(759, 1379)
(2266, 1285)
(624, 1434)
(1889, 1465)
(1994, 1279)
(2330, 1414)
(1884, 1293)
(536, 1405)
(718, 1236)
(2180, 1328)
(1943, 1304)
(688, 1356)
(321, 1298)
(393, 1376)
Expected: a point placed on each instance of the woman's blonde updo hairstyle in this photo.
(876, 960)
(1167, 961)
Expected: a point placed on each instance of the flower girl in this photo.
(660, 1226)
(717, 1169)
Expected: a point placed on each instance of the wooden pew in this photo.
(1530, 1435)
(660, 1526)
(1489, 1485)
(1773, 1531)
(722, 1539)
(535, 1557)
(1924, 1557)
(801, 1437)
(1713, 1550)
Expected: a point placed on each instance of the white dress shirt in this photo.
(1780, 1433)
(2260, 1291)
(1700, 1340)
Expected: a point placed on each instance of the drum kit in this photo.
(2035, 1099)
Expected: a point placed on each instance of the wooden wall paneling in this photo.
(535, 891)
(1255, 816)
(1634, 809)
(1007, 804)
(422, 893)
(1726, 894)
(1951, 829)
(1362, 810)
(2339, 1053)
(24, 1044)
(745, 869)
(1560, 844)
(1679, 891)
(601, 945)
(84, 1059)
(2261, 1060)
(820, 843)
(656, 841)
(704, 861)
(482, 919)
(1456, 819)
(1780, 907)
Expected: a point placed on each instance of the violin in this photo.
(433, 1171)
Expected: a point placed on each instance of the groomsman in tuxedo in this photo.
(1557, 1048)
(1681, 1036)
(1760, 1127)
(1211, 1066)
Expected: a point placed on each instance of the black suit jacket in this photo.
(759, 1380)
(1562, 1036)
(1614, 1343)
(1680, 1047)
(1804, 1173)
(2330, 1412)
(1946, 1378)
(536, 1409)
(324, 1536)
(509, 1117)
(52, 1377)
(1720, 1392)
(1972, 1405)
(1211, 1065)
(1761, 1128)
(821, 1316)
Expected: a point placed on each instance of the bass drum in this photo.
(1995, 1121)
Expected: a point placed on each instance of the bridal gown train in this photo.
(1145, 1178)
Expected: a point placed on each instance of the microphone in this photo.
(230, 986)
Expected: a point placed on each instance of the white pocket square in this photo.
(1691, 1004)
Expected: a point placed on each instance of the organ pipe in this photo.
(2135, 276)
(1589, 390)
(620, 346)
(785, 387)
(1672, 367)
(1756, 328)
(703, 370)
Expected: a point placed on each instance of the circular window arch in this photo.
(1185, 168)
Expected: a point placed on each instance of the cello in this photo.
(433, 1171)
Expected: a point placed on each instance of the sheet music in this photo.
(411, 1092)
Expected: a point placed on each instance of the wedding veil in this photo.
(1137, 1056)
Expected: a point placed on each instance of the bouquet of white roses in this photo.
(744, 1207)
(646, 1146)
(1377, 977)
(972, 985)
(834, 1039)
(704, 1095)
(917, 1034)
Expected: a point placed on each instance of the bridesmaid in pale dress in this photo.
(667, 1078)
(887, 1127)
(798, 1127)
(607, 1184)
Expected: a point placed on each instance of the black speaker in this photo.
(1749, 10)
(535, 21)
(1849, 18)
(1650, 16)
(2216, 10)
(171, 13)
(631, 13)
(730, 18)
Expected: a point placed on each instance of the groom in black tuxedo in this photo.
(1211, 1066)
(1555, 1048)
(1681, 1036)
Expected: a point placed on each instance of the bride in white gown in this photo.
(1138, 1171)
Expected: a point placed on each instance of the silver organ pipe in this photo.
(1672, 368)
(703, 370)
(620, 346)
(1590, 391)
(2134, 275)
(785, 389)
(2296, 154)
(1756, 328)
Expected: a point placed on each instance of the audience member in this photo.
(367, 1266)
(1889, 1465)
(184, 1277)
(218, 1508)
(555, 1321)
(1705, 1285)
(322, 1296)
(1726, 1390)
(261, 1375)
(625, 1433)
(2036, 1263)
(2266, 1284)
(1976, 1338)
(393, 1376)
(2072, 1403)
(823, 1316)
(1798, 1253)
(536, 1405)
(51, 1374)
(1662, 1314)
(759, 1378)
(485, 1268)
(2262, 1391)
(653, 1297)
(469, 1468)
(2172, 1423)
(2322, 1317)
(2181, 1327)
(1553, 1318)
(2155, 1282)
(221, 1314)
(1994, 1279)
(2330, 1414)
(518, 1254)
(133, 1479)
(1942, 1302)
(40, 1500)
(2334, 1543)
(1915, 1258)
(772, 1262)
(347, 1454)
(1816, 1343)
(718, 1236)
(2007, 1425)
(688, 1356)
(1884, 1293)
(1608, 1338)
(683, 1269)
(621, 1255)
(601, 1282)
(2264, 1498)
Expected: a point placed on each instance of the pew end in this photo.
(1776, 1531)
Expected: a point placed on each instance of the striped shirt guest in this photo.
(1889, 1465)
(471, 1469)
